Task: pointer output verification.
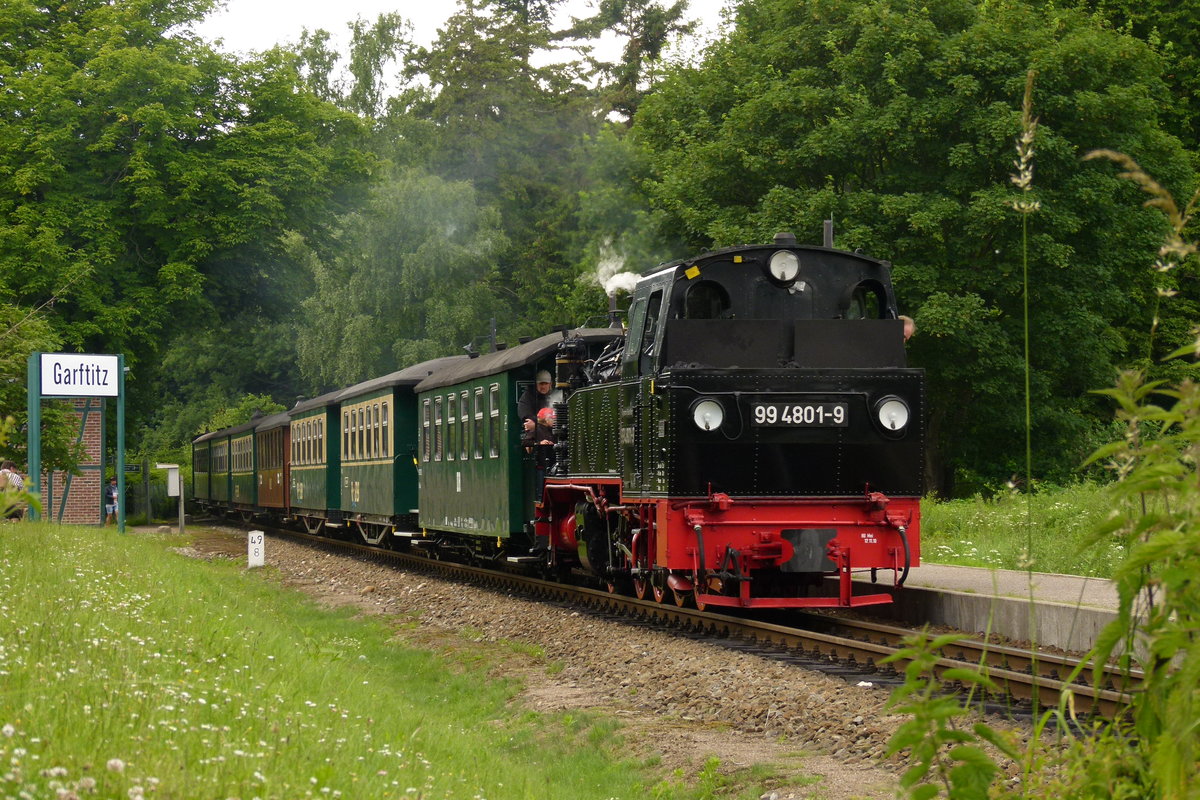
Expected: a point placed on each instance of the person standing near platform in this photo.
(12, 481)
(112, 500)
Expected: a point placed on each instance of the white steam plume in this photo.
(608, 271)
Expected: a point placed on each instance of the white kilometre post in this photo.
(174, 489)
(256, 549)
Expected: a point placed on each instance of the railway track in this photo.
(851, 648)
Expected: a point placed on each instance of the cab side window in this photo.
(866, 301)
(705, 300)
(649, 337)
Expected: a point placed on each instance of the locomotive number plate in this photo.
(803, 415)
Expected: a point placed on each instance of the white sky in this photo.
(259, 24)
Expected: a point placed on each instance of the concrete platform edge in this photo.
(1067, 627)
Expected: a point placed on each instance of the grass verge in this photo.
(127, 670)
(979, 532)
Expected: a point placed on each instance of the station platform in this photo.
(1063, 611)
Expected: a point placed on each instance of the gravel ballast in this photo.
(685, 699)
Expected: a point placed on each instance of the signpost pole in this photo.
(34, 426)
(146, 487)
(121, 497)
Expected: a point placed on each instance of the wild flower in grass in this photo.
(115, 765)
(8, 730)
(1024, 163)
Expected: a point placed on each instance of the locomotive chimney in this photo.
(614, 316)
(785, 239)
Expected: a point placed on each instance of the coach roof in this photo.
(280, 420)
(327, 399)
(513, 357)
(409, 376)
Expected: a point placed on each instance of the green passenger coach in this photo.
(242, 480)
(475, 476)
(377, 428)
(314, 460)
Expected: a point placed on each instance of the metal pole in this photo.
(181, 503)
(146, 487)
(121, 497)
(34, 425)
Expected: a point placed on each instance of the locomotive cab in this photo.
(728, 310)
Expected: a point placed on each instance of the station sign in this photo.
(79, 375)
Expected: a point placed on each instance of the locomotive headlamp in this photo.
(892, 413)
(708, 414)
(784, 266)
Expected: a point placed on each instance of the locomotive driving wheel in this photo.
(658, 585)
(642, 574)
(641, 587)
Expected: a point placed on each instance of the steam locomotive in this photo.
(752, 438)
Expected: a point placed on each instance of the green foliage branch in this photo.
(1152, 751)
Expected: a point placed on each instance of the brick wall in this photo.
(82, 506)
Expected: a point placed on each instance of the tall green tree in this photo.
(146, 180)
(512, 126)
(897, 119)
(408, 283)
(24, 331)
(1170, 26)
(647, 27)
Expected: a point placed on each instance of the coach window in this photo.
(479, 422)
(425, 417)
(451, 426)
(376, 431)
(386, 444)
(465, 424)
(494, 413)
(359, 445)
(437, 429)
(320, 453)
(370, 432)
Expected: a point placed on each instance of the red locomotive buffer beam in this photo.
(730, 545)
